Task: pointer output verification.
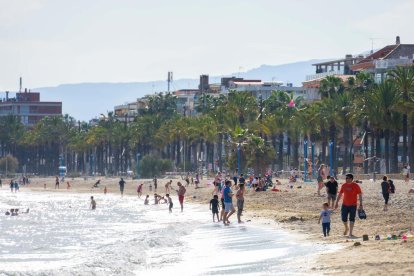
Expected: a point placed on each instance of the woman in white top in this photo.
(406, 172)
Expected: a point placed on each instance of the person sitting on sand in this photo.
(93, 203)
(278, 182)
(350, 191)
(146, 201)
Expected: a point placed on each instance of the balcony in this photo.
(324, 74)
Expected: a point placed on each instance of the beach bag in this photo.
(362, 214)
(392, 187)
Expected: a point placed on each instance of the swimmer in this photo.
(170, 203)
(93, 203)
(146, 201)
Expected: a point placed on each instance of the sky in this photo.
(52, 42)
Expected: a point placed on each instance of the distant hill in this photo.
(87, 100)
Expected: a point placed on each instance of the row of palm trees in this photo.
(233, 130)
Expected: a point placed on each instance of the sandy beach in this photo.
(297, 210)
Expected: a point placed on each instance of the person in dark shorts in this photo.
(351, 192)
(241, 179)
(170, 203)
(214, 207)
(385, 187)
(57, 183)
(235, 177)
(122, 186)
(331, 190)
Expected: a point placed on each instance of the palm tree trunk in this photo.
(366, 147)
(324, 145)
(280, 151)
(405, 136)
(378, 150)
(387, 150)
(346, 160)
(394, 160)
(411, 154)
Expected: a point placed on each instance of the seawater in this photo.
(62, 236)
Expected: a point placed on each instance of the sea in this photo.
(61, 235)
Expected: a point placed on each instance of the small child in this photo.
(146, 201)
(170, 203)
(326, 219)
(214, 207)
(93, 203)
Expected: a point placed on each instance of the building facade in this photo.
(28, 107)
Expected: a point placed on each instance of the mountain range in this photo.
(85, 101)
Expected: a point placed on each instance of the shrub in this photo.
(151, 165)
(10, 162)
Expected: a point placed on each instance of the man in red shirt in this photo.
(350, 191)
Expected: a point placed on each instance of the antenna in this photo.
(372, 43)
(21, 85)
(169, 80)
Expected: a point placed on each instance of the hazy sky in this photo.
(50, 42)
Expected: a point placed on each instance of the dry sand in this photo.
(298, 210)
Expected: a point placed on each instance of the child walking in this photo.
(326, 219)
(214, 207)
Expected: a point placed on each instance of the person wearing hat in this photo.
(350, 191)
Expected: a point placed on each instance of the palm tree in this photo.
(404, 79)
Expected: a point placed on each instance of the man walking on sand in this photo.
(228, 203)
(350, 191)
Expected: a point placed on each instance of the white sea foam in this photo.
(61, 236)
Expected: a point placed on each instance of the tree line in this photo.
(229, 129)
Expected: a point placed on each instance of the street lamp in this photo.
(305, 159)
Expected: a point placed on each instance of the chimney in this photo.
(7, 96)
(397, 40)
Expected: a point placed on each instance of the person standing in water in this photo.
(57, 183)
(155, 184)
(139, 190)
(122, 186)
(170, 203)
(240, 202)
(181, 192)
(93, 203)
(228, 203)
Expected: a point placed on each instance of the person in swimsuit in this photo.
(170, 203)
(321, 178)
(181, 192)
(146, 201)
(214, 207)
(93, 203)
(139, 190)
(240, 202)
(57, 183)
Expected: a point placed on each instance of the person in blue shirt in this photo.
(326, 219)
(228, 203)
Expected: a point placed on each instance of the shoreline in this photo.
(297, 211)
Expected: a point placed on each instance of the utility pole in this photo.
(169, 80)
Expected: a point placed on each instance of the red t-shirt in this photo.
(351, 192)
